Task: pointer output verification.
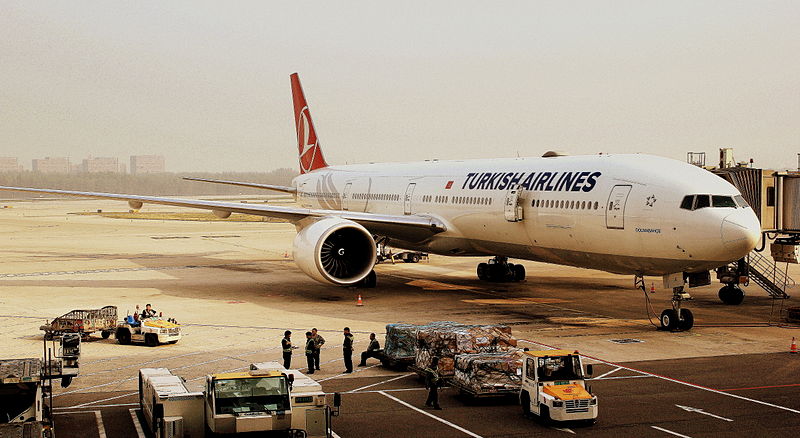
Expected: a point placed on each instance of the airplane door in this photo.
(346, 195)
(615, 211)
(512, 210)
(407, 198)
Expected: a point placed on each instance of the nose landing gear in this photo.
(499, 270)
(677, 318)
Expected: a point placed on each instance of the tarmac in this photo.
(235, 289)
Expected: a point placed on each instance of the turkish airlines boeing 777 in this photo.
(626, 214)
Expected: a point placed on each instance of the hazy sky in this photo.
(207, 83)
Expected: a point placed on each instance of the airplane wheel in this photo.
(482, 271)
(669, 320)
(731, 295)
(688, 320)
(105, 334)
(519, 273)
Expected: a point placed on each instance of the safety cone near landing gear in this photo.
(793, 348)
(652, 288)
(359, 302)
(286, 254)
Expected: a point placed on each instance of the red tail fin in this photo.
(307, 142)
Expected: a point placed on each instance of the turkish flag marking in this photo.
(449, 185)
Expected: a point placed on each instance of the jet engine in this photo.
(335, 250)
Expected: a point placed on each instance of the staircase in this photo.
(766, 274)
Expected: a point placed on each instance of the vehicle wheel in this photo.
(687, 321)
(172, 342)
(731, 295)
(525, 400)
(105, 334)
(371, 280)
(415, 258)
(544, 414)
(669, 320)
(482, 271)
(150, 340)
(519, 273)
(123, 336)
(48, 336)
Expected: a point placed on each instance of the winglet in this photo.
(307, 142)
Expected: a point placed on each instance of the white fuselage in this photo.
(618, 213)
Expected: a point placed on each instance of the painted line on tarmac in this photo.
(344, 374)
(621, 377)
(117, 405)
(101, 429)
(380, 383)
(762, 387)
(441, 420)
(681, 382)
(608, 373)
(136, 424)
(670, 432)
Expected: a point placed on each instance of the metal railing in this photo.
(766, 274)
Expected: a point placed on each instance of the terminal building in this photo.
(147, 164)
(10, 164)
(51, 165)
(102, 164)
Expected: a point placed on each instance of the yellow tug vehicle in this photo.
(554, 387)
(152, 331)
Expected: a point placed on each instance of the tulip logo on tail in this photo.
(307, 142)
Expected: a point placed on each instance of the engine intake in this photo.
(335, 250)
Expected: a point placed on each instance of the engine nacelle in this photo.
(335, 250)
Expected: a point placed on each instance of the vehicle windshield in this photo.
(559, 368)
(254, 394)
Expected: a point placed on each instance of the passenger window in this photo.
(596, 205)
(701, 201)
(687, 202)
(722, 201)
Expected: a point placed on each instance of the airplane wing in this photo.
(412, 228)
(284, 189)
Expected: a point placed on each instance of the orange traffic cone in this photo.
(793, 348)
(286, 254)
(652, 288)
(359, 302)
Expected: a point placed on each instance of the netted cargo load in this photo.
(447, 339)
(489, 373)
(401, 339)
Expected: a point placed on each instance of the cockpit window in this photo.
(701, 201)
(687, 202)
(740, 200)
(723, 201)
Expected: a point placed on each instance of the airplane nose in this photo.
(741, 230)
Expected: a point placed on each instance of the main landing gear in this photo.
(499, 270)
(677, 318)
(731, 294)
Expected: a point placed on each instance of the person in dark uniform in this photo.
(148, 312)
(372, 351)
(318, 342)
(347, 350)
(310, 352)
(286, 345)
(432, 384)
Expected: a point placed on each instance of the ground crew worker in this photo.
(310, 352)
(318, 342)
(148, 312)
(347, 350)
(432, 384)
(286, 345)
(372, 351)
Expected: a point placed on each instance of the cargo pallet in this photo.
(395, 363)
(84, 322)
(492, 392)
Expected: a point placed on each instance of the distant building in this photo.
(100, 164)
(10, 164)
(51, 165)
(147, 164)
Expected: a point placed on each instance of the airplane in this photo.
(630, 214)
